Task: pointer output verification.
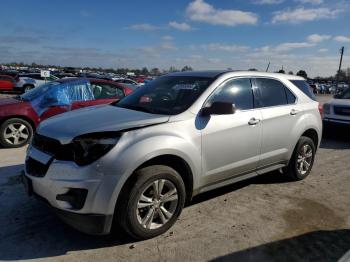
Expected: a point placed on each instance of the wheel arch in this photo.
(171, 160)
(313, 135)
(30, 121)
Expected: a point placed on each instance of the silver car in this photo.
(137, 162)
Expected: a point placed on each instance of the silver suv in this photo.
(137, 162)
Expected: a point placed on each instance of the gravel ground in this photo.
(262, 219)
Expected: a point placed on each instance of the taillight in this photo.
(320, 109)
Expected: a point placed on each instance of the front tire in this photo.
(15, 132)
(301, 163)
(152, 204)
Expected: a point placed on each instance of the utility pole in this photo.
(268, 66)
(341, 61)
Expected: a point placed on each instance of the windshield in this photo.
(168, 95)
(38, 91)
(344, 95)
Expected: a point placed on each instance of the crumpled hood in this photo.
(69, 125)
(8, 101)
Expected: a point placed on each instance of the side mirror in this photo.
(219, 108)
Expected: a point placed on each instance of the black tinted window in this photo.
(238, 92)
(272, 92)
(304, 86)
(290, 96)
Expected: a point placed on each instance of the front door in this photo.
(231, 143)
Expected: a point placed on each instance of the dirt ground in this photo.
(265, 218)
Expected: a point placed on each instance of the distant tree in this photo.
(186, 68)
(302, 73)
(155, 71)
(144, 71)
(281, 71)
(290, 73)
(173, 69)
(341, 75)
(252, 69)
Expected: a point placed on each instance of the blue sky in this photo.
(204, 34)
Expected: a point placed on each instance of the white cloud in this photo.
(167, 46)
(180, 26)
(302, 14)
(342, 39)
(264, 49)
(322, 50)
(201, 11)
(144, 27)
(316, 38)
(313, 2)
(268, 2)
(167, 38)
(224, 47)
(290, 46)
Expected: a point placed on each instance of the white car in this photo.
(137, 162)
(125, 81)
(31, 80)
(337, 111)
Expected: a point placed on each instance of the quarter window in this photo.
(305, 88)
(238, 92)
(290, 96)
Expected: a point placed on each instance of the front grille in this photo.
(35, 168)
(46, 144)
(341, 110)
(53, 147)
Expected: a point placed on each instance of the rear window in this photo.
(305, 88)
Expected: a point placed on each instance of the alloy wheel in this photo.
(16, 133)
(304, 159)
(157, 204)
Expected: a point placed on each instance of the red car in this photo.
(20, 115)
(7, 83)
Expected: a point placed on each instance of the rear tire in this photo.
(302, 160)
(15, 132)
(143, 212)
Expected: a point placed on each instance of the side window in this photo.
(105, 91)
(238, 92)
(290, 96)
(305, 88)
(272, 92)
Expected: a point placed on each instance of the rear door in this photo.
(280, 115)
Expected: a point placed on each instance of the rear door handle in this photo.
(294, 112)
(253, 121)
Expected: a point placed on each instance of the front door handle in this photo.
(294, 112)
(253, 121)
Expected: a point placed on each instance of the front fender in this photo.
(130, 157)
